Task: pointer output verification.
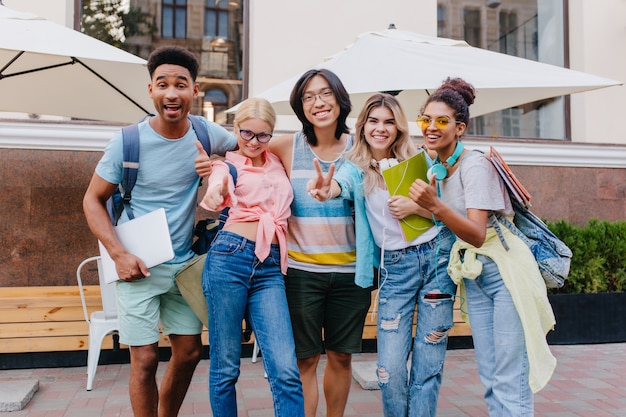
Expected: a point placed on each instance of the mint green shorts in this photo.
(145, 303)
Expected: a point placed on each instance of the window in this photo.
(215, 103)
(441, 21)
(174, 19)
(216, 19)
(510, 122)
(472, 27)
(476, 126)
(530, 29)
(508, 31)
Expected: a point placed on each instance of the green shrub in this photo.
(599, 256)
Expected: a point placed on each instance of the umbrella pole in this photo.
(30, 70)
(15, 58)
(111, 85)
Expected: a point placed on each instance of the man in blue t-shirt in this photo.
(167, 178)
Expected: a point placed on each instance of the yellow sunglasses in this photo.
(441, 122)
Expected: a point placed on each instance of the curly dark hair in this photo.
(341, 96)
(175, 55)
(458, 94)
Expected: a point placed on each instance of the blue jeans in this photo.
(498, 343)
(235, 284)
(415, 275)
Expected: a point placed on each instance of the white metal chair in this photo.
(255, 351)
(101, 323)
(255, 354)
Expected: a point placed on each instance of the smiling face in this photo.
(322, 109)
(172, 91)
(252, 148)
(443, 141)
(380, 132)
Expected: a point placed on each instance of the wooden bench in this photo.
(50, 319)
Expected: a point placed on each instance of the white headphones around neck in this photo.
(384, 163)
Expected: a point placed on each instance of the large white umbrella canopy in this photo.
(46, 68)
(415, 65)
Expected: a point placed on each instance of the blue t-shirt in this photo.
(166, 178)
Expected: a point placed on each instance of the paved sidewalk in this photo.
(590, 380)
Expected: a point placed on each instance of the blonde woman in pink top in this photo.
(245, 266)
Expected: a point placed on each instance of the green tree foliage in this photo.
(599, 251)
(112, 22)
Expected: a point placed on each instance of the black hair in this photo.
(458, 94)
(175, 55)
(341, 97)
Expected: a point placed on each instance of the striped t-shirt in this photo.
(320, 235)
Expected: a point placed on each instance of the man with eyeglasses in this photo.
(322, 294)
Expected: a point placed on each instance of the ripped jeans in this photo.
(414, 275)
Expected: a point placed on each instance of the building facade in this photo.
(247, 46)
(213, 31)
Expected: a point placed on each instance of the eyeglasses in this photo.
(441, 122)
(249, 135)
(325, 95)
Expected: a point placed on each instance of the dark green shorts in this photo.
(328, 304)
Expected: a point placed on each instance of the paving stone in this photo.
(15, 394)
(588, 381)
(365, 374)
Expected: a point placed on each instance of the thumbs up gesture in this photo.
(215, 193)
(202, 161)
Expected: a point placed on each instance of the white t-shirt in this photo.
(386, 230)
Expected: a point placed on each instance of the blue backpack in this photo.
(551, 253)
(205, 230)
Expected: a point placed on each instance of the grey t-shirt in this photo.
(476, 184)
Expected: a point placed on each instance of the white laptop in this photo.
(147, 237)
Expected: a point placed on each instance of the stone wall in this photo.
(575, 194)
(43, 233)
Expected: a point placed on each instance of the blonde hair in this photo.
(256, 108)
(361, 154)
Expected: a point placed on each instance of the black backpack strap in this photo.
(130, 165)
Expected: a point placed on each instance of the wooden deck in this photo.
(50, 319)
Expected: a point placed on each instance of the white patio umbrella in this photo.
(46, 68)
(415, 65)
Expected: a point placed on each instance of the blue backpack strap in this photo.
(130, 165)
(233, 172)
(201, 132)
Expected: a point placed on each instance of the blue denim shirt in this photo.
(350, 178)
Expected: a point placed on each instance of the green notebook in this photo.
(399, 179)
